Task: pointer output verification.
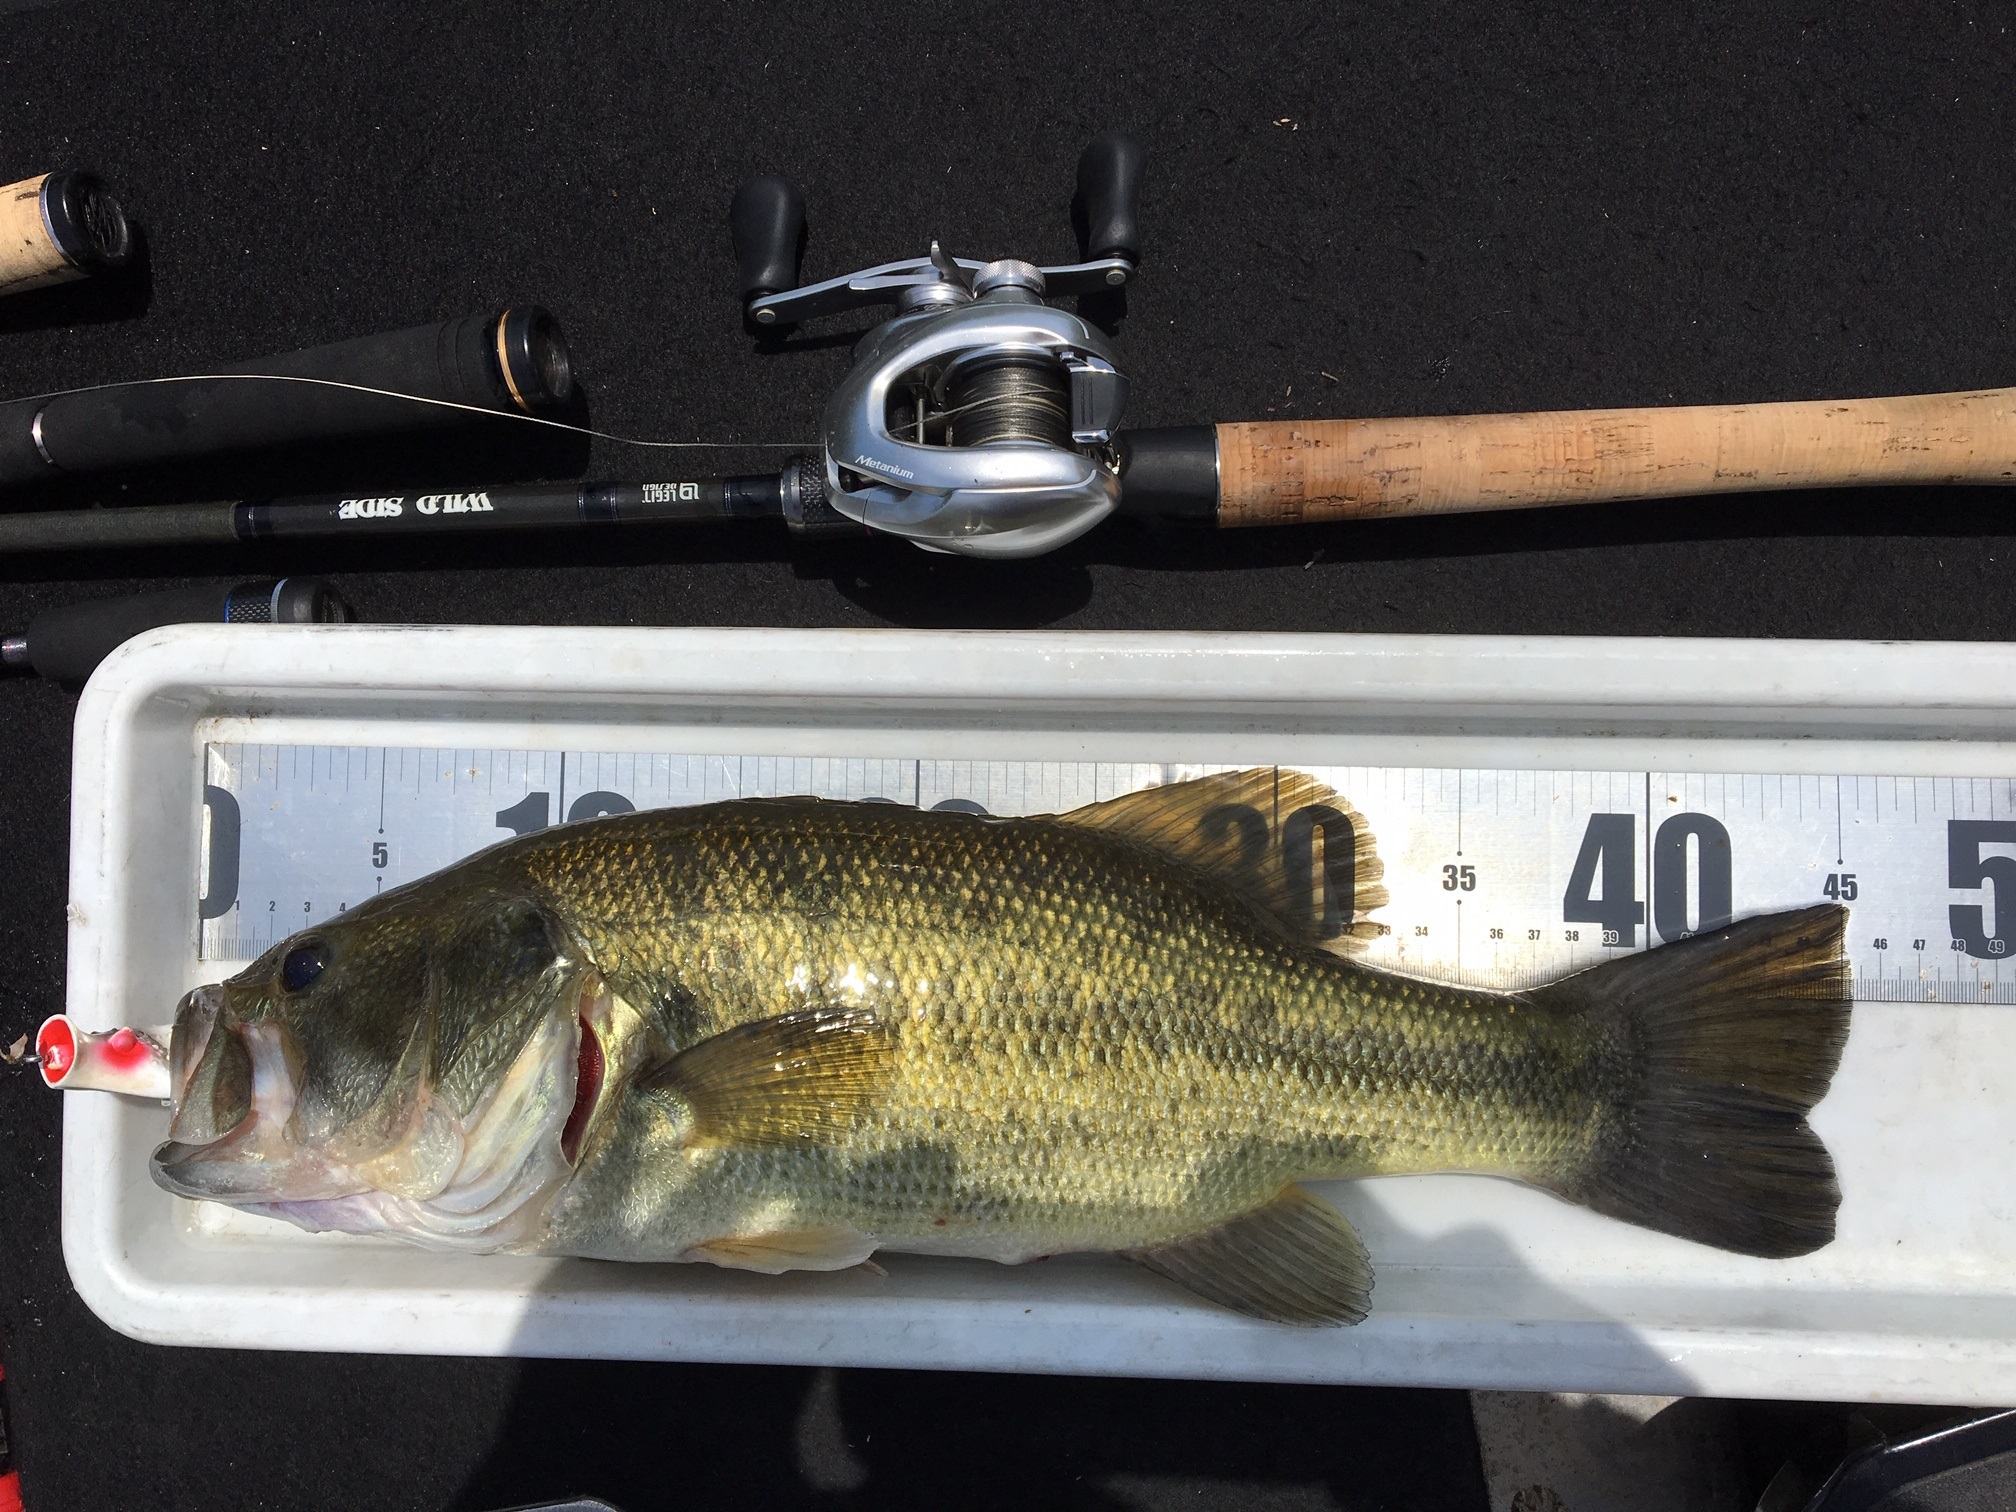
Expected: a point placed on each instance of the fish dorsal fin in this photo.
(799, 1078)
(1296, 1260)
(1278, 837)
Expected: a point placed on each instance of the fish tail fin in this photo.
(1719, 1046)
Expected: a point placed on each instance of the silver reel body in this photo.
(978, 420)
(1036, 387)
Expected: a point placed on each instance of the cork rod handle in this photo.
(29, 256)
(1286, 472)
(57, 227)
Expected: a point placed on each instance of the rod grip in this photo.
(129, 526)
(1109, 196)
(66, 643)
(1287, 472)
(515, 361)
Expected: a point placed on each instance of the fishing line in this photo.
(453, 404)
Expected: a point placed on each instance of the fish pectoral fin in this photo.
(797, 1079)
(816, 1249)
(1296, 1260)
(1281, 839)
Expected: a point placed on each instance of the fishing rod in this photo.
(982, 420)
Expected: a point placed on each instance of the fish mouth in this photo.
(234, 1087)
(479, 1182)
(505, 1168)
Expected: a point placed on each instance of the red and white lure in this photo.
(133, 1061)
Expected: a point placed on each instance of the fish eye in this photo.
(304, 963)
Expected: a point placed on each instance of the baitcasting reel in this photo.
(978, 419)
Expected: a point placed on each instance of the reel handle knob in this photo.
(767, 223)
(1109, 196)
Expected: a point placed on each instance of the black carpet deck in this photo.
(1362, 209)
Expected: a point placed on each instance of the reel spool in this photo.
(978, 419)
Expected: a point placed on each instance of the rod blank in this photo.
(795, 498)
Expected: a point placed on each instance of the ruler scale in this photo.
(1499, 878)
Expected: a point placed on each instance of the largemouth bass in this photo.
(785, 1033)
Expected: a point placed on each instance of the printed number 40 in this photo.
(1692, 888)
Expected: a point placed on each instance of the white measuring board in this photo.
(325, 749)
(1498, 878)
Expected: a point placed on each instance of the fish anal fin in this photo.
(1295, 1260)
(796, 1079)
(815, 1249)
(1278, 837)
